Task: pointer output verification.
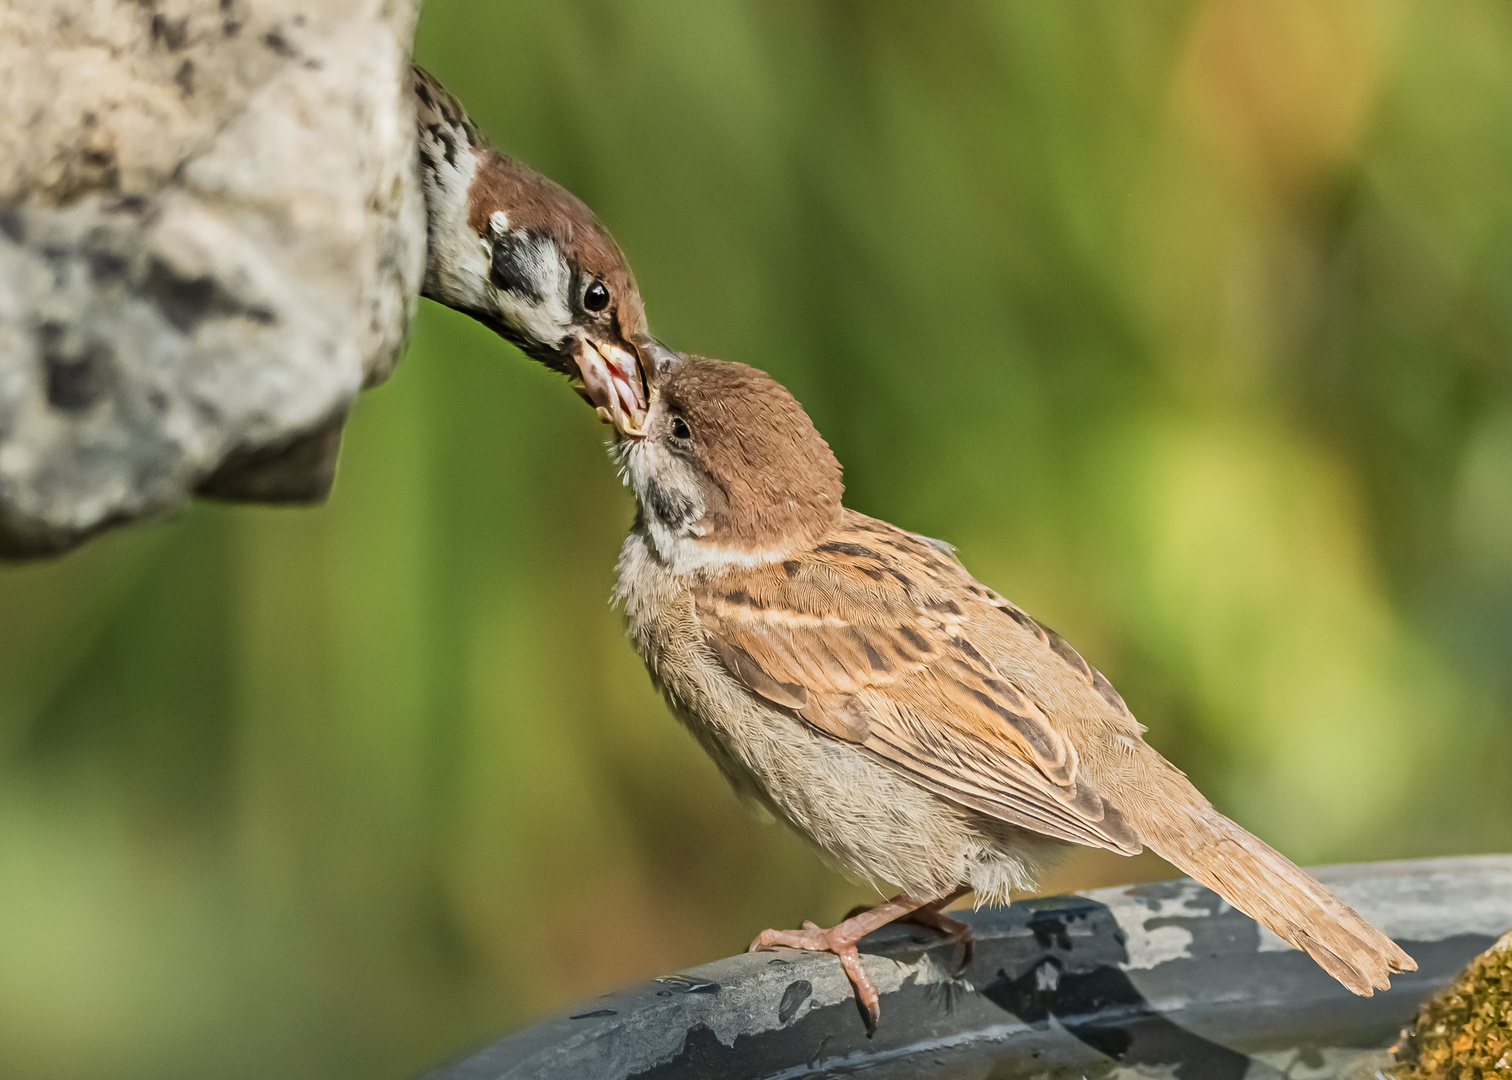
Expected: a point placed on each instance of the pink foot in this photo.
(817, 939)
(841, 941)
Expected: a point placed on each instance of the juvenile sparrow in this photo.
(916, 726)
(524, 256)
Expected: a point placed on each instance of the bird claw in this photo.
(815, 938)
(841, 940)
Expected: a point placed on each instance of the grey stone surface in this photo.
(211, 238)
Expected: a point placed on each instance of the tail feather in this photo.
(1271, 889)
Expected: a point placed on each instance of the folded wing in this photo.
(864, 639)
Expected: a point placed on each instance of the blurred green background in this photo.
(1190, 323)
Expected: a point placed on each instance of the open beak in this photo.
(613, 382)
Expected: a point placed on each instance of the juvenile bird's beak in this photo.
(613, 381)
(655, 357)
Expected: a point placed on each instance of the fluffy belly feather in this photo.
(868, 819)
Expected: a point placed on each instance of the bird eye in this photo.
(597, 297)
(680, 429)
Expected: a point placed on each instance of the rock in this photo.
(211, 238)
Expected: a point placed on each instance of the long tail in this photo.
(1271, 889)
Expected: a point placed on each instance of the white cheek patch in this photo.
(667, 487)
(531, 284)
(668, 490)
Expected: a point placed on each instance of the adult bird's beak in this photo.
(653, 358)
(613, 381)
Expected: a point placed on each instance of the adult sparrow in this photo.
(916, 726)
(524, 256)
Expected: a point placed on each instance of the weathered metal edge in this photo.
(1166, 965)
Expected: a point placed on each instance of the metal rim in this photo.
(1164, 974)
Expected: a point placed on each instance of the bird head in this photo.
(526, 257)
(728, 469)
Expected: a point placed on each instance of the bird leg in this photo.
(932, 916)
(841, 940)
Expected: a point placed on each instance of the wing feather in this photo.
(861, 639)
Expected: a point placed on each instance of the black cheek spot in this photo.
(672, 508)
(279, 44)
(508, 268)
(790, 567)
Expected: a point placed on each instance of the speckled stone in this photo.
(211, 238)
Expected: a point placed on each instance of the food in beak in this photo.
(613, 384)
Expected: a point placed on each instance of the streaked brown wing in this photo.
(862, 640)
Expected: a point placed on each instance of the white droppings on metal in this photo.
(1150, 946)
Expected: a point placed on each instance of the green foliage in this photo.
(1189, 323)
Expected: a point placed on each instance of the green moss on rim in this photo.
(1464, 1033)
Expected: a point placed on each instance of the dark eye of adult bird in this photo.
(680, 429)
(523, 255)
